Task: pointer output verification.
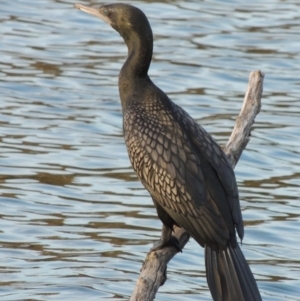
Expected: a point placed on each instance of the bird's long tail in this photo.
(229, 276)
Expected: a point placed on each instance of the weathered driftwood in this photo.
(153, 272)
(240, 135)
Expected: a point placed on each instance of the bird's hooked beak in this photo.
(97, 12)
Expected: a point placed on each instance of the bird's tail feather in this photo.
(229, 276)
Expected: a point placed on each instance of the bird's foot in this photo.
(173, 241)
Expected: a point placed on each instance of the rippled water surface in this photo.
(75, 222)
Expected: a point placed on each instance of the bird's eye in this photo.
(105, 12)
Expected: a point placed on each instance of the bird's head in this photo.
(124, 18)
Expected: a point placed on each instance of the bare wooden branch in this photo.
(240, 135)
(153, 272)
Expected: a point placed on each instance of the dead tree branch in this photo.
(153, 271)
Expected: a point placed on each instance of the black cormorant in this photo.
(185, 171)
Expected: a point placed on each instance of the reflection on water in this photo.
(74, 218)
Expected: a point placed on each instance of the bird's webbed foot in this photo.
(166, 240)
(173, 241)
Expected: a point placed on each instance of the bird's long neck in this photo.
(135, 69)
